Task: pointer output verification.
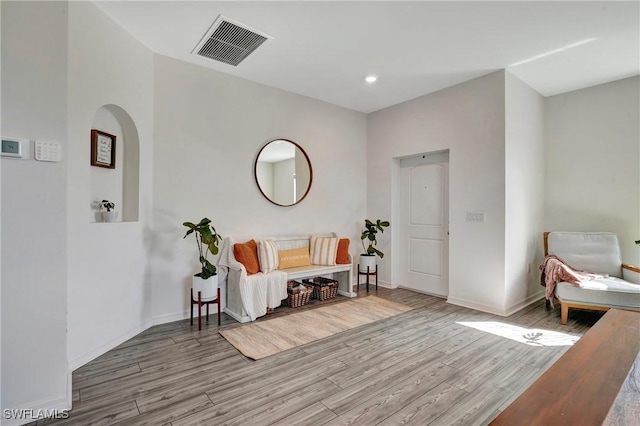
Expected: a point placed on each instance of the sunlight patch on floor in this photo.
(529, 336)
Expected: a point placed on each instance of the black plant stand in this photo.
(368, 273)
(198, 301)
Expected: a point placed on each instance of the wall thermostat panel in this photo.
(16, 148)
(48, 151)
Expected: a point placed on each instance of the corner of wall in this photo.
(524, 191)
(34, 107)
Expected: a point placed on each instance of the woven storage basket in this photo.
(298, 298)
(324, 288)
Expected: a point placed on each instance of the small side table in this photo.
(368, 273)
(198, 301)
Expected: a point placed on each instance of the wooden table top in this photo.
(581, 387)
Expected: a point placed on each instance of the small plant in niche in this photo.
(107, 205)
(107, 211)
(207, 240)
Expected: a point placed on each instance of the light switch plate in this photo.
(475, 216)
(48, 151)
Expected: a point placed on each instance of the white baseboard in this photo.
(236, 316)
(69, 388)
(47, 405)
(474, 305)
(525, 302)
(176, 316)
(102, 349)
(440, 296)
(492, 309)
(179, 316)
(346, 294)
(384, 284)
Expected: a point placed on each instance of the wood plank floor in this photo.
(421, 367)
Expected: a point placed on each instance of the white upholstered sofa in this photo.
(597, 252)
(250, 296)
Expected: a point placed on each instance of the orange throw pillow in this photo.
(342, 256)
(247, 254)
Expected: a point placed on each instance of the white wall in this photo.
(592, 162)
(35, 372)
(109, 292)
(208, 129)
(524, 193)
(468, 119)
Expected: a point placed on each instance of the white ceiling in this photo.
(324, 49)
(277, 150)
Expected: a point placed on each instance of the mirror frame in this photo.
(255, 172)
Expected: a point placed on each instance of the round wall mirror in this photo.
(283, 172)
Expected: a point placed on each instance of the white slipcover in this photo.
(257, 291)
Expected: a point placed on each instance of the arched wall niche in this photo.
(122, 184)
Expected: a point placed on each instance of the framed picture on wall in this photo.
(103, 149)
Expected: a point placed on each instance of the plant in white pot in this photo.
(207, 240)
(107, 211)
(369, 233)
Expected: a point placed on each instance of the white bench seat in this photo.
(343, 273)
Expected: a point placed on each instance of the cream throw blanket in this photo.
(257, 291)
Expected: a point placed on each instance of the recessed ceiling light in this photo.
(371, 78)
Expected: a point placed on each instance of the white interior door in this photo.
(424, 214)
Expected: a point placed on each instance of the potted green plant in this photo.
(369, 236)
(207, 240)
(107, 211)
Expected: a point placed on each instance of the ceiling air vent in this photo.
(229, 41)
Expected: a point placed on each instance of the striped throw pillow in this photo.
(267, 255)
(323, 250)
